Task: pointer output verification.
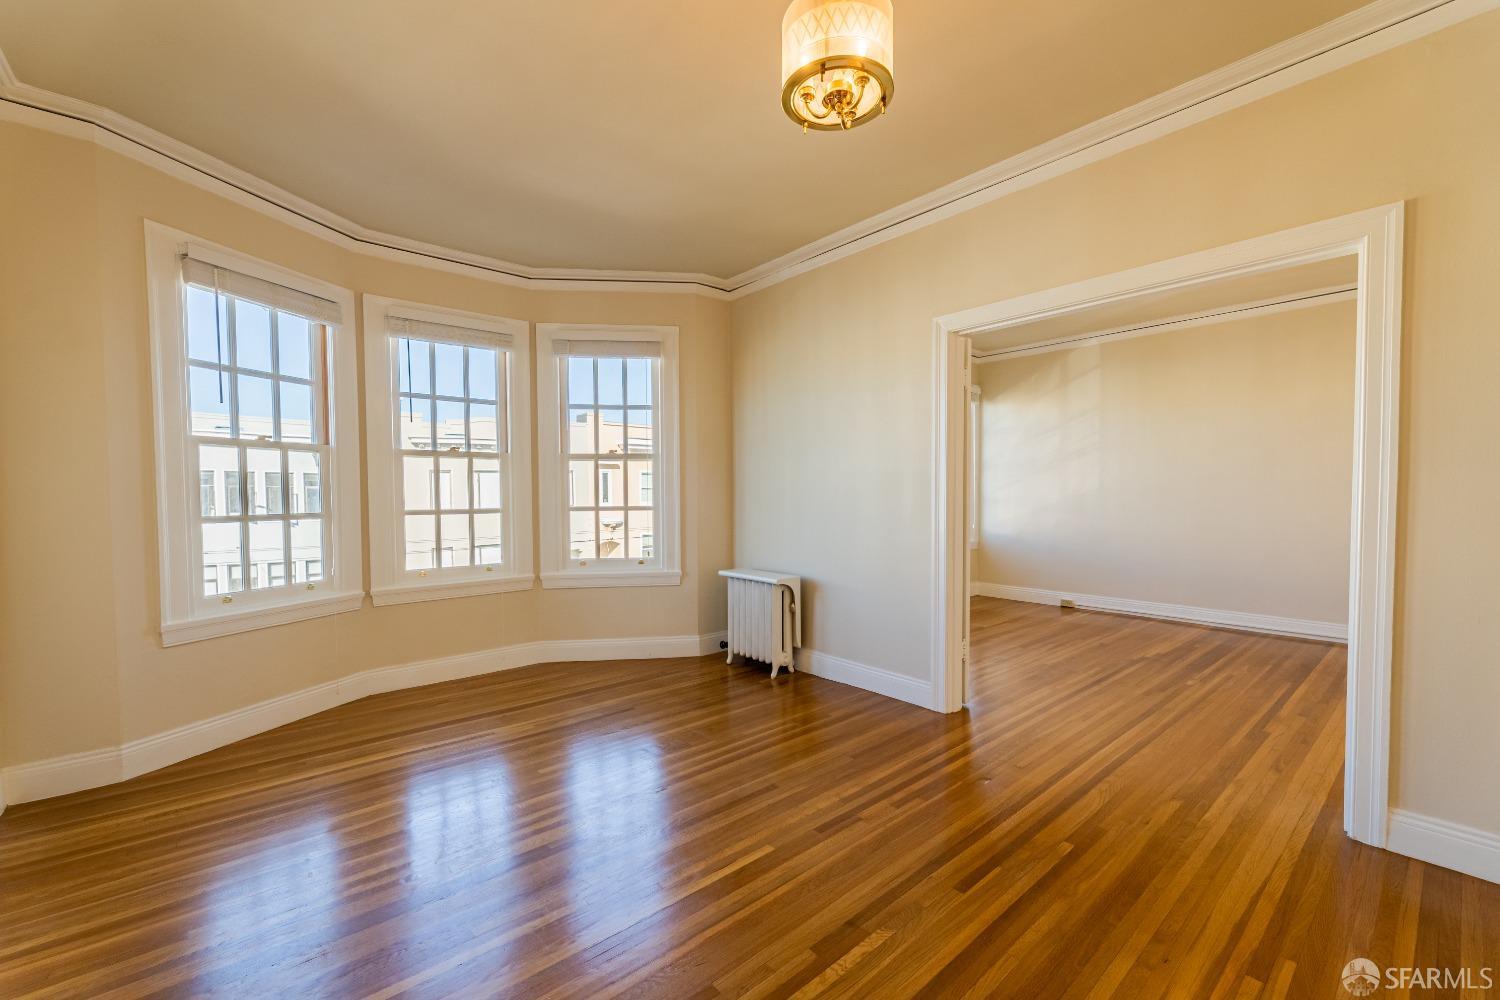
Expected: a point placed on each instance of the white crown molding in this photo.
(1360, 34)
(7, 75)
(107, 765)
(1239, 620)
(1185, 321)
(80, 119)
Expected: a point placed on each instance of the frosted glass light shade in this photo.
(832, 44)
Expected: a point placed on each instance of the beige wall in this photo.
(1207, 467)
(83, 665)
(833, 370)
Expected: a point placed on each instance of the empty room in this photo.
(840, 498)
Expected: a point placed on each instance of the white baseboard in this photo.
(1299, 627)
(94, 768)
(876, 679)
(1449, 845)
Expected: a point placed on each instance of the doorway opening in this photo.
(1358, 256)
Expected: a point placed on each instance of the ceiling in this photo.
(1220, 296)
(577, 133)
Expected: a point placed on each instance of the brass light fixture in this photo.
(836, 58)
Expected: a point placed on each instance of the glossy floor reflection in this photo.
(1131, 808)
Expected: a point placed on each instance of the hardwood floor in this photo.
(1131, 808)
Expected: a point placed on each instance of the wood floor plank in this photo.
(1128, 808)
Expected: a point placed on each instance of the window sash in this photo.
(403, 335)
(240, 508)
(563, 351)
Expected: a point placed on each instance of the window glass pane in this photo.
(611, 432)
(296, 411)
(210, 412)
(580, 381)
(255, 407)
(453, 474)
(611, 381)
(487, 483)
(206, 502)
(455, 548)
(234, 493)
(267, 549)
(611, 534)
(450, 425)
(206, 341)
(482, 372)
(483, 427)
(581, 483)
(213, 462)
(486, 539)
(421, 540)
(611, 489)
(414, 364)
(416, 480)
(264, 466)
(307, 482)
(448, 363)
(293, 337)
(642, 542)
(638, 381)
(640, 492)
(252, 335)
(581, 535)
(221, 553)
(581, 432)
(415, 432)
(307, 549)
(640, 436)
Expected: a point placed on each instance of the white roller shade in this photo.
(607, 348)
(267, 293)
(401, 326)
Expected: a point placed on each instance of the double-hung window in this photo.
(257, 488)
(607, 403)
(447, 399)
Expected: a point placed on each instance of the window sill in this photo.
(438, 591)
(624, 578)
(178, 633)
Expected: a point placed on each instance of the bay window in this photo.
(447, 401)
(254, 398)
(608, 435)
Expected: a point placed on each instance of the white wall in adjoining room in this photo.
(1206, 467)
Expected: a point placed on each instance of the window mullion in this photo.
(276, 434)
(286, 505)
(502, 401)
(231, 342)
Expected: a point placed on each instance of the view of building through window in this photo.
(611, 444)
(451, 454)
(257, 390)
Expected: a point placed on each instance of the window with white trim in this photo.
(608, 434)
(447, 397)
(254, 397)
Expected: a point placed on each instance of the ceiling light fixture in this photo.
(836, 58)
